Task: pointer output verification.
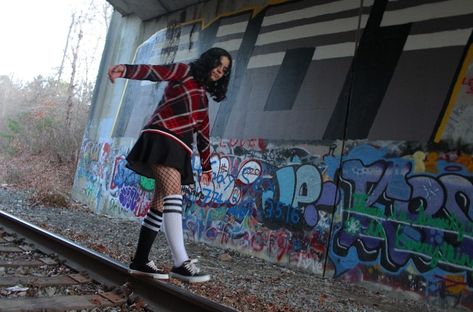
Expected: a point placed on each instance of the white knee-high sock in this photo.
(172, 221)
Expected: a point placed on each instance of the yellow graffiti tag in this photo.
(454, 284)
(431, 162)
(206, 21)
(467, 161)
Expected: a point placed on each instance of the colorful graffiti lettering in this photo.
(373, 215)
(398, 217)
(107, 177)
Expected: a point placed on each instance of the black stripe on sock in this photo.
(173, 211)
(152, 223)
(157, 219)
(171, 205)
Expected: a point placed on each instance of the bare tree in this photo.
(70, 89)
(86, 29)
(66, 48)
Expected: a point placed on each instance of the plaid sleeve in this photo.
(172, 72)
(203, 143)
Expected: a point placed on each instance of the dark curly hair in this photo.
(202, 67)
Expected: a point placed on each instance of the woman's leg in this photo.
(150, 227)
(184, 268)
(169, 181)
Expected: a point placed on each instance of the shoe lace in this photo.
(191, 267)
(152, 265)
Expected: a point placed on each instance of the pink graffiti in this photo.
(116, 164)
(279, 243)
(142, 205)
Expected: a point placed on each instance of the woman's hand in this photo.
(116, 71)
(206, 178)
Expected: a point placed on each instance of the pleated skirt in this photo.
(154, 148)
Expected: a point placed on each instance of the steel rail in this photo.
(160, 296)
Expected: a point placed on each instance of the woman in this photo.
(164, 149)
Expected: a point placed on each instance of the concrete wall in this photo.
(358, 168)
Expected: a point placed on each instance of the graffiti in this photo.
(121, 176)
(414, 211)
(398, 217)
(275, 206)
(407, 221)
(228, 178)
(407, 240)
(222, 189)
(449, 286)
(386, 212)
(132, 190)
(147, 184)
(298, 197)
(281, 213)
(106, 176)
(469, 83)
(296, 186)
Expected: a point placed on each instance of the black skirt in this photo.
(156, 148)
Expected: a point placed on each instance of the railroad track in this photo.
(41, 271)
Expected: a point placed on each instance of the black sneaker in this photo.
(148, 269)
(189, 272)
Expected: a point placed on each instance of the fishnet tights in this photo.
(167, 182)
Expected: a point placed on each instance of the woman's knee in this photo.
(168, 180)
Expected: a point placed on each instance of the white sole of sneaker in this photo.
(153, 275)
(190, 279)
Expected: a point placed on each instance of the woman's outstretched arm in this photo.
(172, 72)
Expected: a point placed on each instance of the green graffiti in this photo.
(449, 223)
(359, 201)
(146, 183)
(359, 205)
(422, 220)
(444, 253)
(375, 229)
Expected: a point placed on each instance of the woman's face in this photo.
(220, 70)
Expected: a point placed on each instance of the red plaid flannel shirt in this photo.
(183, 109)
